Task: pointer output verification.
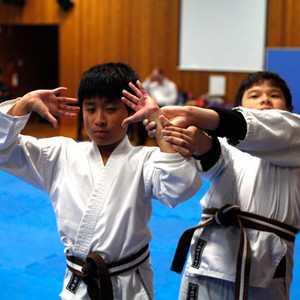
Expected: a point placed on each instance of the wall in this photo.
(142, 33)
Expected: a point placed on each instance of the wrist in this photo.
(154, 114)
(204, 146)
(193, 114)
(22, 106)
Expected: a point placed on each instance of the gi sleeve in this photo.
(272, 135)
(172, 178)
(232, 125)
(19, 155)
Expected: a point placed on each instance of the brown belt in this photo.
(232, 215)
(95, 267)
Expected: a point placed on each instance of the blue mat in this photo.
(32, 263)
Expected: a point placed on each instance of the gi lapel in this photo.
(104, 178)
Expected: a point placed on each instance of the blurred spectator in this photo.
(161, 88)
(164, 91)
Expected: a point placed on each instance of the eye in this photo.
(90, 109)
(110, 109)
(275, 96)
(253, 96)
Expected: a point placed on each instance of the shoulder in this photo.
(64, 146)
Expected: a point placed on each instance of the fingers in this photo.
(182, 140)
(59, 90)
(184, 146)
(127, 121)
(128, 102)
(66, 111)
(176, 131)
(140, 91)
(133, 99)
(150, 126)
(50, 119)
(164, 121)
(131, 119)
(67, 100)
(141, 87)
(183, 151)
(135, 89)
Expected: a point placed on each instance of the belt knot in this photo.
(227, 215)
(90, 269)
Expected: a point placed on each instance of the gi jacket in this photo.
(262, 176)
(103, 209)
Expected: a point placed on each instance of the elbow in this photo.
(183, 191)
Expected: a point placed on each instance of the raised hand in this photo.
(47, 104)
(144, 106)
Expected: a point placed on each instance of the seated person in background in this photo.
(163, 90)
(101, 191)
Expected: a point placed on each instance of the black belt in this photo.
(232, 215)
(95, 267)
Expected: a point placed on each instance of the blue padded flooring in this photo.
(32, 262)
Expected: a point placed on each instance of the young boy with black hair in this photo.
(243, 247)
(101, 190)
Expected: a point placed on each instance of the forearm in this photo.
(22, 106)
(203, 118)
(161, 142)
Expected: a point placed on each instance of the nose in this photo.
(100, 119)
(265, 99)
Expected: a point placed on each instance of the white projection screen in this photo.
(222, 35)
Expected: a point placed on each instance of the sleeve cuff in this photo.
(232, 124)
(210, 158)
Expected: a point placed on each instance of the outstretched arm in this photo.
(46, 103)
(184, 116)
(145, 107)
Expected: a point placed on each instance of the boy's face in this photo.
(264, 96)
(102, 119)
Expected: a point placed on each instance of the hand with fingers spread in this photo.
(47, 104)
(144, 106)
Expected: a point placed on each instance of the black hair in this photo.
(106, 80)
(160, 71)
(259, 77)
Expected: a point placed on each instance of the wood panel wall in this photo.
(142, 33)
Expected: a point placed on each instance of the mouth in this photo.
(266, 108)
(100, 133)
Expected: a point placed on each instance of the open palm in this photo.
(145, 107)
(46, 103)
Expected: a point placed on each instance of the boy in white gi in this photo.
(101, 191)
(243, 247)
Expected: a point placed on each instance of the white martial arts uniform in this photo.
(103, 209)
(262, 177)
